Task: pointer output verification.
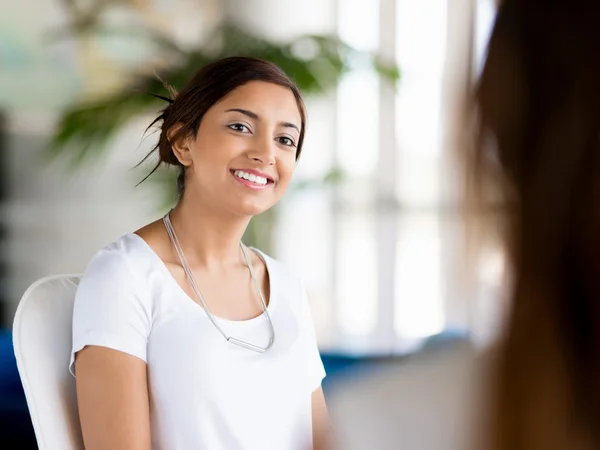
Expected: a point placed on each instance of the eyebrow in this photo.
(255, 116)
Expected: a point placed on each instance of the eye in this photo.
(240, 127)
(288, 142)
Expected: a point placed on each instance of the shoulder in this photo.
(114, 286)
(280, 272)
(114, 306)
(288, 287)
(118, 260)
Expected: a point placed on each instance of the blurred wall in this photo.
(57, 220)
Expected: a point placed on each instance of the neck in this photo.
(208, 239)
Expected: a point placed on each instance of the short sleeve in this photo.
(111, 309)
(315, 370)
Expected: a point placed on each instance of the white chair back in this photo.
(42, 342)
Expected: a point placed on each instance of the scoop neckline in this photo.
(163, 268)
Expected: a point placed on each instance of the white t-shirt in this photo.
(205, 392)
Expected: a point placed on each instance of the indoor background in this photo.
(372, 222)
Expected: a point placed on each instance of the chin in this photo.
(252, 209)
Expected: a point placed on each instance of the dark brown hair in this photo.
(538, 150)
(210, 84)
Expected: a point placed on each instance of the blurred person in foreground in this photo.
(183, 337)
(533, 164)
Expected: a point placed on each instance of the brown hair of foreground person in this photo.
(538, 152)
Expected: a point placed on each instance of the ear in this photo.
(181, 147)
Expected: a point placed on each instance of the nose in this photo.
(263, 151)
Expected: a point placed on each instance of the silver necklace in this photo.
(192, 281)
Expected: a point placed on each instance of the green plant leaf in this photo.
(389, 71)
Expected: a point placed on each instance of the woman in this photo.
(182, 336)
(534, 170)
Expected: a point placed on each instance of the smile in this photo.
(251, 180)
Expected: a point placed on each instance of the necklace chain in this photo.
(196, 289)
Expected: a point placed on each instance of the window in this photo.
(379, 252)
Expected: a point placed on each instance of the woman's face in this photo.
(244, 154)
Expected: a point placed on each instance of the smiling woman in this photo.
(252, 129)
(227, 85)
(182, 336)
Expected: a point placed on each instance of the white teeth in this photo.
(250, 177)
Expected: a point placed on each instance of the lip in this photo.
(250, 184)
(256, 172)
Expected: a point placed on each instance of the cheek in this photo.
(212, 151)
(286, 169)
